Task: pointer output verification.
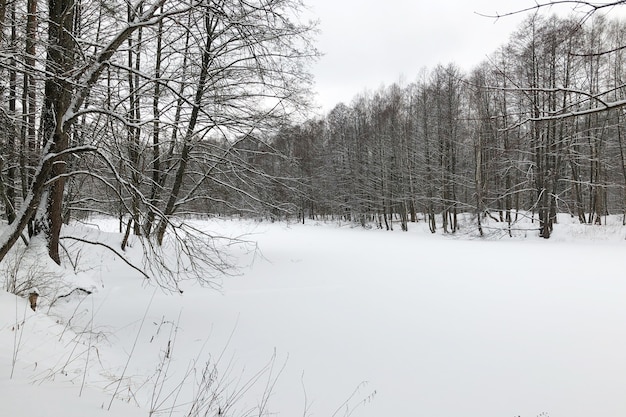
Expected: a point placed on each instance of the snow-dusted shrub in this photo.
(26, 270)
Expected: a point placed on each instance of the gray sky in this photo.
(368, 43)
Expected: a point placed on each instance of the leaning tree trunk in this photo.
(210, 25)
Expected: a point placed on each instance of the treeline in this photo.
(165, 109)
(538, 128)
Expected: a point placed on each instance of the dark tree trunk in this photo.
(210, 25)
(11, 173)
(58, 93)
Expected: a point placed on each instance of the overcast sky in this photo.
(368, 43)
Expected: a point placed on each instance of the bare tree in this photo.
(224, 71)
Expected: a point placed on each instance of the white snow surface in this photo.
(344, 321)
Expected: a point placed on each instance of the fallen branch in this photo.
(78, 239)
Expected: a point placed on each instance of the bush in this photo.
(24, 273)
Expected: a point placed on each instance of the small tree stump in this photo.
(32, 298)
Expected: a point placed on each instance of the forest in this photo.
(144, 113)
(537, 129)
(164, 111)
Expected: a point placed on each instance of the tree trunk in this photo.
(11, 173)
(58, 93)
(210, 25)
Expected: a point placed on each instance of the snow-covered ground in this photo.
(334, 320)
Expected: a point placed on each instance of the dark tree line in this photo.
(537, 129)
